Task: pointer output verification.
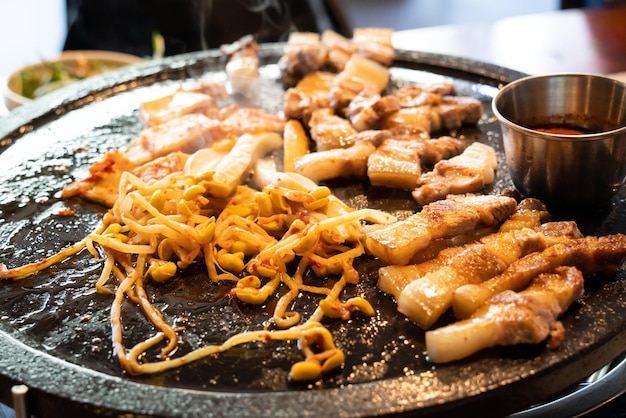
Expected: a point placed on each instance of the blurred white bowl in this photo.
(32, 81)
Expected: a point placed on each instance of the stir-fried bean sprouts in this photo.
(158, 228)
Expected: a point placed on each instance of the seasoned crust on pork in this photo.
(456, 215)
(508, 318)
(468, 172)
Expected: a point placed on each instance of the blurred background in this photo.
(32, 30)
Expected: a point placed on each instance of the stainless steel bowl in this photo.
(568, 171)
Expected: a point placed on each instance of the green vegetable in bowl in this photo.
(40, 79)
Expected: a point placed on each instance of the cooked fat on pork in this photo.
(330, 131)
(508, 318)
(366, 112)
(416, 95)
(395, 163)
(339, 49)
(311, 93)
(303, 54)
(589, 254)
(181, 102)
(186, 133)
(426, 298)
(468, 172)
(457, 215)
(374, 43)
(360, 76)
(242, 64)
(451, 113)
(455, 111)
(335, 163)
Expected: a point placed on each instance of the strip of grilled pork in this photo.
(508, 318)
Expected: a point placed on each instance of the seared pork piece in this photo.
(186, 133)
(395, 163)
(422, 117)
(468, 172)
(454, 111)
(414, 96)
(181, 102)
(374, 43)
(553, 232)
(426, 298)
(442, 148)
(248, 120)
(330, 131)
(339, 49)
(360, 75)
(509, 318)
(335, 163)
(450, 113)
(311, 93)
(102, 184)
(242, 64)
(366, 112)
(393, 278)
(433, 149)
(304, 54)
(530, 213)
(162, 166)
(590, 254)
(456, 215)
(231, 169)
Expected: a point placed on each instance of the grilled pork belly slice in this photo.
(303, 54)
(335, 163)
(360, 75)
(415, 96)
(432, 150)
(395, 163)
(510, 318)
(186, 133)
(589, 254)
(247, 120)
(455, 111)
(339, 49)
(450, 113)
(422, 117)
(242, 64)
(393, 278)
(374, 43)
(441, 148)
(311, 93)
(530, 213)
(181, 102)
(457, 215)
(366, 112)
(102, 184)
(426, 298)
(330, 131)
(468, 172)
(162, 166)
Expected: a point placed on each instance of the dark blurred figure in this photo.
(187, 25)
